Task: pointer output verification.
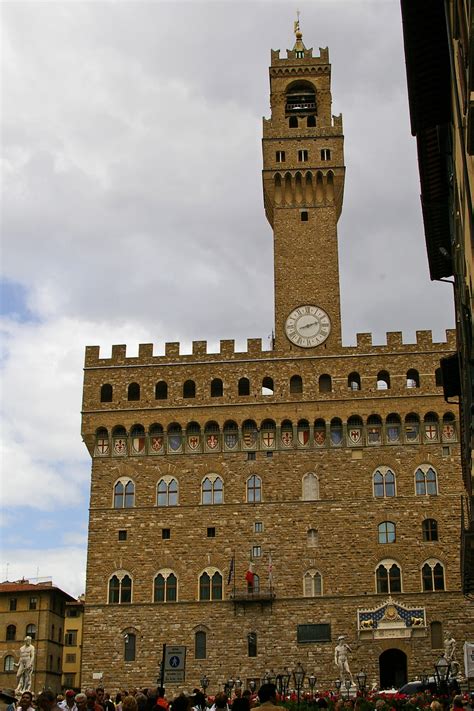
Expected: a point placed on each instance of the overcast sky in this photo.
(132, 212)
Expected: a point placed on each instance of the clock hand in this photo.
(308, 325)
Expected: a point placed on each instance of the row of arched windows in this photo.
(268, 436)
(212, 487)
(388, 580)
(266, 387)
(30, 631)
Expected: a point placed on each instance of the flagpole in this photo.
(234, 575)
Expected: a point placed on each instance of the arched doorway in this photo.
(393, 669)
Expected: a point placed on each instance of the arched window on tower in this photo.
(189, 389)
(106, 393)
(325, 384)
(217, 387)
(267, 386)
(11, 633)
(9, 663)
(353, 381)
(244, 386)
(429, 528)
(296, 384)
(129, 646)
(254, 489)
(133, 392)
(312, 584)
(383, 380)
(413, 378)
(161, 390)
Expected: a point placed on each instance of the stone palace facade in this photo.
(253, 506)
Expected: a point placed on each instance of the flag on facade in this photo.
(249, 575)
(231, 570)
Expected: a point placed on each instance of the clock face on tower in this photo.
(308, 326)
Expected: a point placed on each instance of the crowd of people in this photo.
(243, 700)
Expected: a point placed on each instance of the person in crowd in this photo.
(267, 696)
(69, 702)
(81, 702)
(241, 701)
(198, 700)
(91, 698)
(141, 700)
(129, 703)
(161, 698)
(104, 699)
(181, 703)
(46, 701)
(26, 702)
(7, 700)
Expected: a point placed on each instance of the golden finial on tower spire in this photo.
(296, 24)
(299, 46)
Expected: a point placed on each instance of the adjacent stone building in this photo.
(72, 650)
(36, 610)
(255, 505)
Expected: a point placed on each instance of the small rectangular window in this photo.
(122, 535)
(325, 154)
(166, 533)
(314, 633)
(211, 532)
(70, 658)
(256, 551)
(12, 604)
(269, 454)
(70, 638)
(280, 156)
(446, 451)
(304, 216)
(73, 612)
(33, 603)
(258, 527)
(302, 156)
(251, 456)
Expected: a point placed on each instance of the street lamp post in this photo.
(238, 683)
(252, 685)
(442, 668)
(348, 685)
(204, 684)
(337, 684)
(298, 676)
(361, 681)
(312, 684)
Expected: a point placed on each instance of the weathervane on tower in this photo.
(296, 24)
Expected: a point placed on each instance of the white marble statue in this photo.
(341, 660)
(449, 648)
(25, 666)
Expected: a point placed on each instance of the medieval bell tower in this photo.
(303, 184)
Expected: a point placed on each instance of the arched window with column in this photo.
(167, 491)
(124, 494)
(210, 584)
(165, 586)
(120, 588)
(432, 575)
(388, 577)
(312, 584)
(426, 481)
(212, 490)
